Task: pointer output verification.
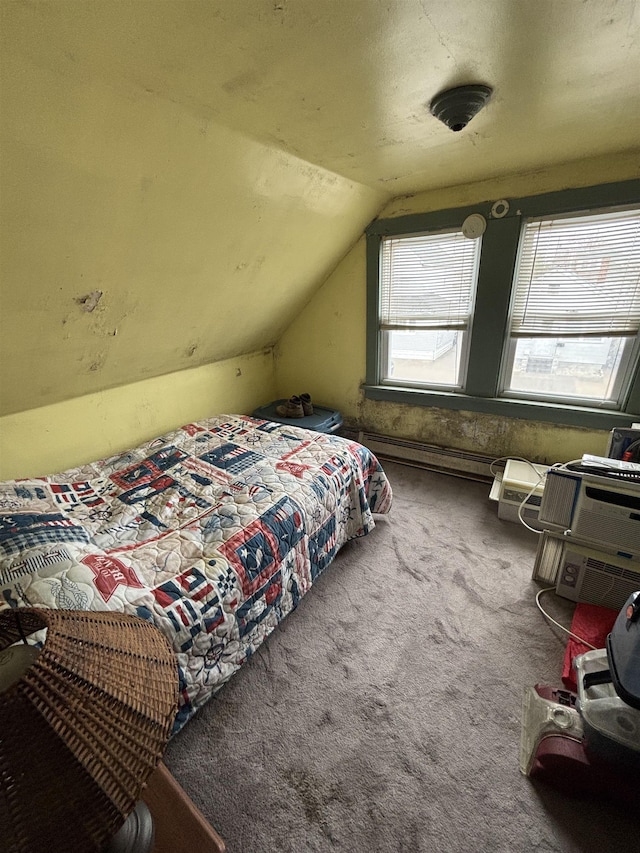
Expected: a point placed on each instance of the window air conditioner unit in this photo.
(602, 511)
(518, 492)
(581, 573)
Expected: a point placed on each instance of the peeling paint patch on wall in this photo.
(479, 433)
(89, 302)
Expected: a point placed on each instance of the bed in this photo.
(212, 532)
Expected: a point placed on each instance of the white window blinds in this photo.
(579, 276)
(427, 281)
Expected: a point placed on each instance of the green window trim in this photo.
(497, 263)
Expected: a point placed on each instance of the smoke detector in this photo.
(456, 107)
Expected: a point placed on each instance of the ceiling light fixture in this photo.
(456, 107)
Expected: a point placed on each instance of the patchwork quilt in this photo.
(212, 533)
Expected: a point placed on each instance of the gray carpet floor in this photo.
(384, 714)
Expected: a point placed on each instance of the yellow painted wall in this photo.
(139, 238)
(203, 243)
(62, 435)
(324, 349)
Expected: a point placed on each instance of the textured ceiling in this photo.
(345, 84)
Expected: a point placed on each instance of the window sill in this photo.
(524, 409)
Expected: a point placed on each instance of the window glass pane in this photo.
(575, 311)
(427, 281)
(579, 276)
(426, 357)
(427, 292)
(581, 368)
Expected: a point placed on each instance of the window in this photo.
(427, 286)
(575, 312)
(539, 318)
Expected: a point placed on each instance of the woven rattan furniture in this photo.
(82, 729)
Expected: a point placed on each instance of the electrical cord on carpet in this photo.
(552, 620)
(541, 478)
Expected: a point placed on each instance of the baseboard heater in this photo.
(457, 462)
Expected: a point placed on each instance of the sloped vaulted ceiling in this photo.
(179, 176)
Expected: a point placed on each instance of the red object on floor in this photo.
(592, 623)
(562, 761)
